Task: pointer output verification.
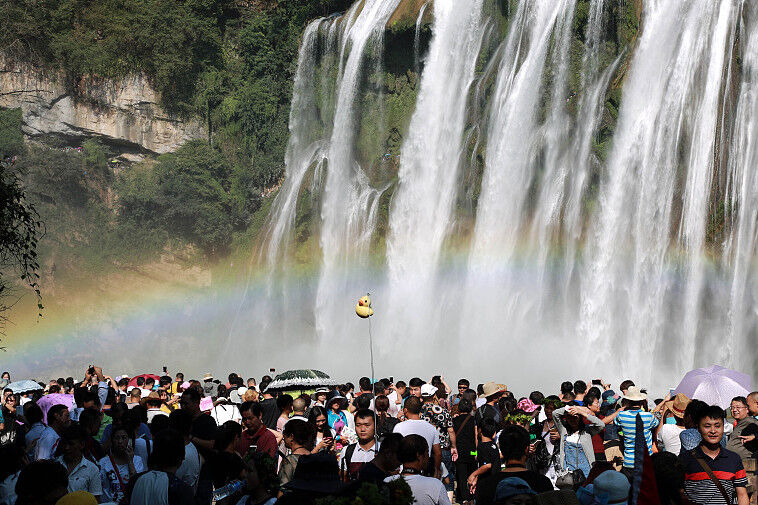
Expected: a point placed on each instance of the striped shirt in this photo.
(728, 469)
(627, 419)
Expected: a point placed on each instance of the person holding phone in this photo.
(119, 465)
(324, 437)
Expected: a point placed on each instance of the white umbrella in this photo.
(714, 385)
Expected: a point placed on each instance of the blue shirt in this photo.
(627, 419)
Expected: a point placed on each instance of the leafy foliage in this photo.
(193, 193)
(20, 230)
(11, 138)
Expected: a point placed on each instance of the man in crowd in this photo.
(455, 398)
(134, 397)
(514, 446)
(83, 474)
(178, 382)
(365, 388)
(713, 474)
(354, 457)
(58, 420)
(742, 438)
(440, 418)
(255, 432)
(298, 409)
(270, 409)
(414, 425)
(413, 454)
(414, 385)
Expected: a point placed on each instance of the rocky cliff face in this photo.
(122, 112)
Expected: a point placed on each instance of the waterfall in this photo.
(636, 295)
(421, 214)
(610, 203)
(743, 197)
(305, 146)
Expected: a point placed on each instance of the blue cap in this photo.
(511, 486)
(613, 485)
(609, 397)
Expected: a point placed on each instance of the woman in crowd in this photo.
(120, 464)
(299, 437)
(384, 422)
(575, 449)
(338, 419)
(324, 436)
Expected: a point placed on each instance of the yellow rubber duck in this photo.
(363, 308)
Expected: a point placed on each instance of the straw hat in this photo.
(678, 404)
(634, 394)
(208, 377)
(491, 389)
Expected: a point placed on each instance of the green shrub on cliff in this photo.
(11, 138)
(193, 194)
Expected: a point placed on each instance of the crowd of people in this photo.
(158, 439)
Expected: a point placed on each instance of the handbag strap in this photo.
(713, 478)
(460, 428)
(118, 474)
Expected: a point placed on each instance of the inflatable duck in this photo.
(363, 308)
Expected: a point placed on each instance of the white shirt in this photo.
(394, 409)
(669, 437)
(360, 455)
(426, 490)
(145, 392)
(46, 444)
(226, 412)
(189, 470)
(419, 427)
(479, 402)
(84, 477)
(152, 412)
(109, 478)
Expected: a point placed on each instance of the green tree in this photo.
(20, 229)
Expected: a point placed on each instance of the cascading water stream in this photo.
(631, 300)
(742, 246)
(421, 214)
(348, 209)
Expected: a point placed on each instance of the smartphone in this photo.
(272, 370)
(392, 379)
(672, 391)
(597, 382)
(165, 369)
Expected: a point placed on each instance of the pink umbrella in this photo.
(714, 385)
(133, 380)
(48, 401)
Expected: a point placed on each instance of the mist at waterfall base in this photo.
(570, 265)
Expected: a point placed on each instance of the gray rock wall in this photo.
(124, 111)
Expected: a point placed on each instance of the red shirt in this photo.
(263, 439)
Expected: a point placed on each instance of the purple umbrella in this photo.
(714, 385)
(48, 401)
